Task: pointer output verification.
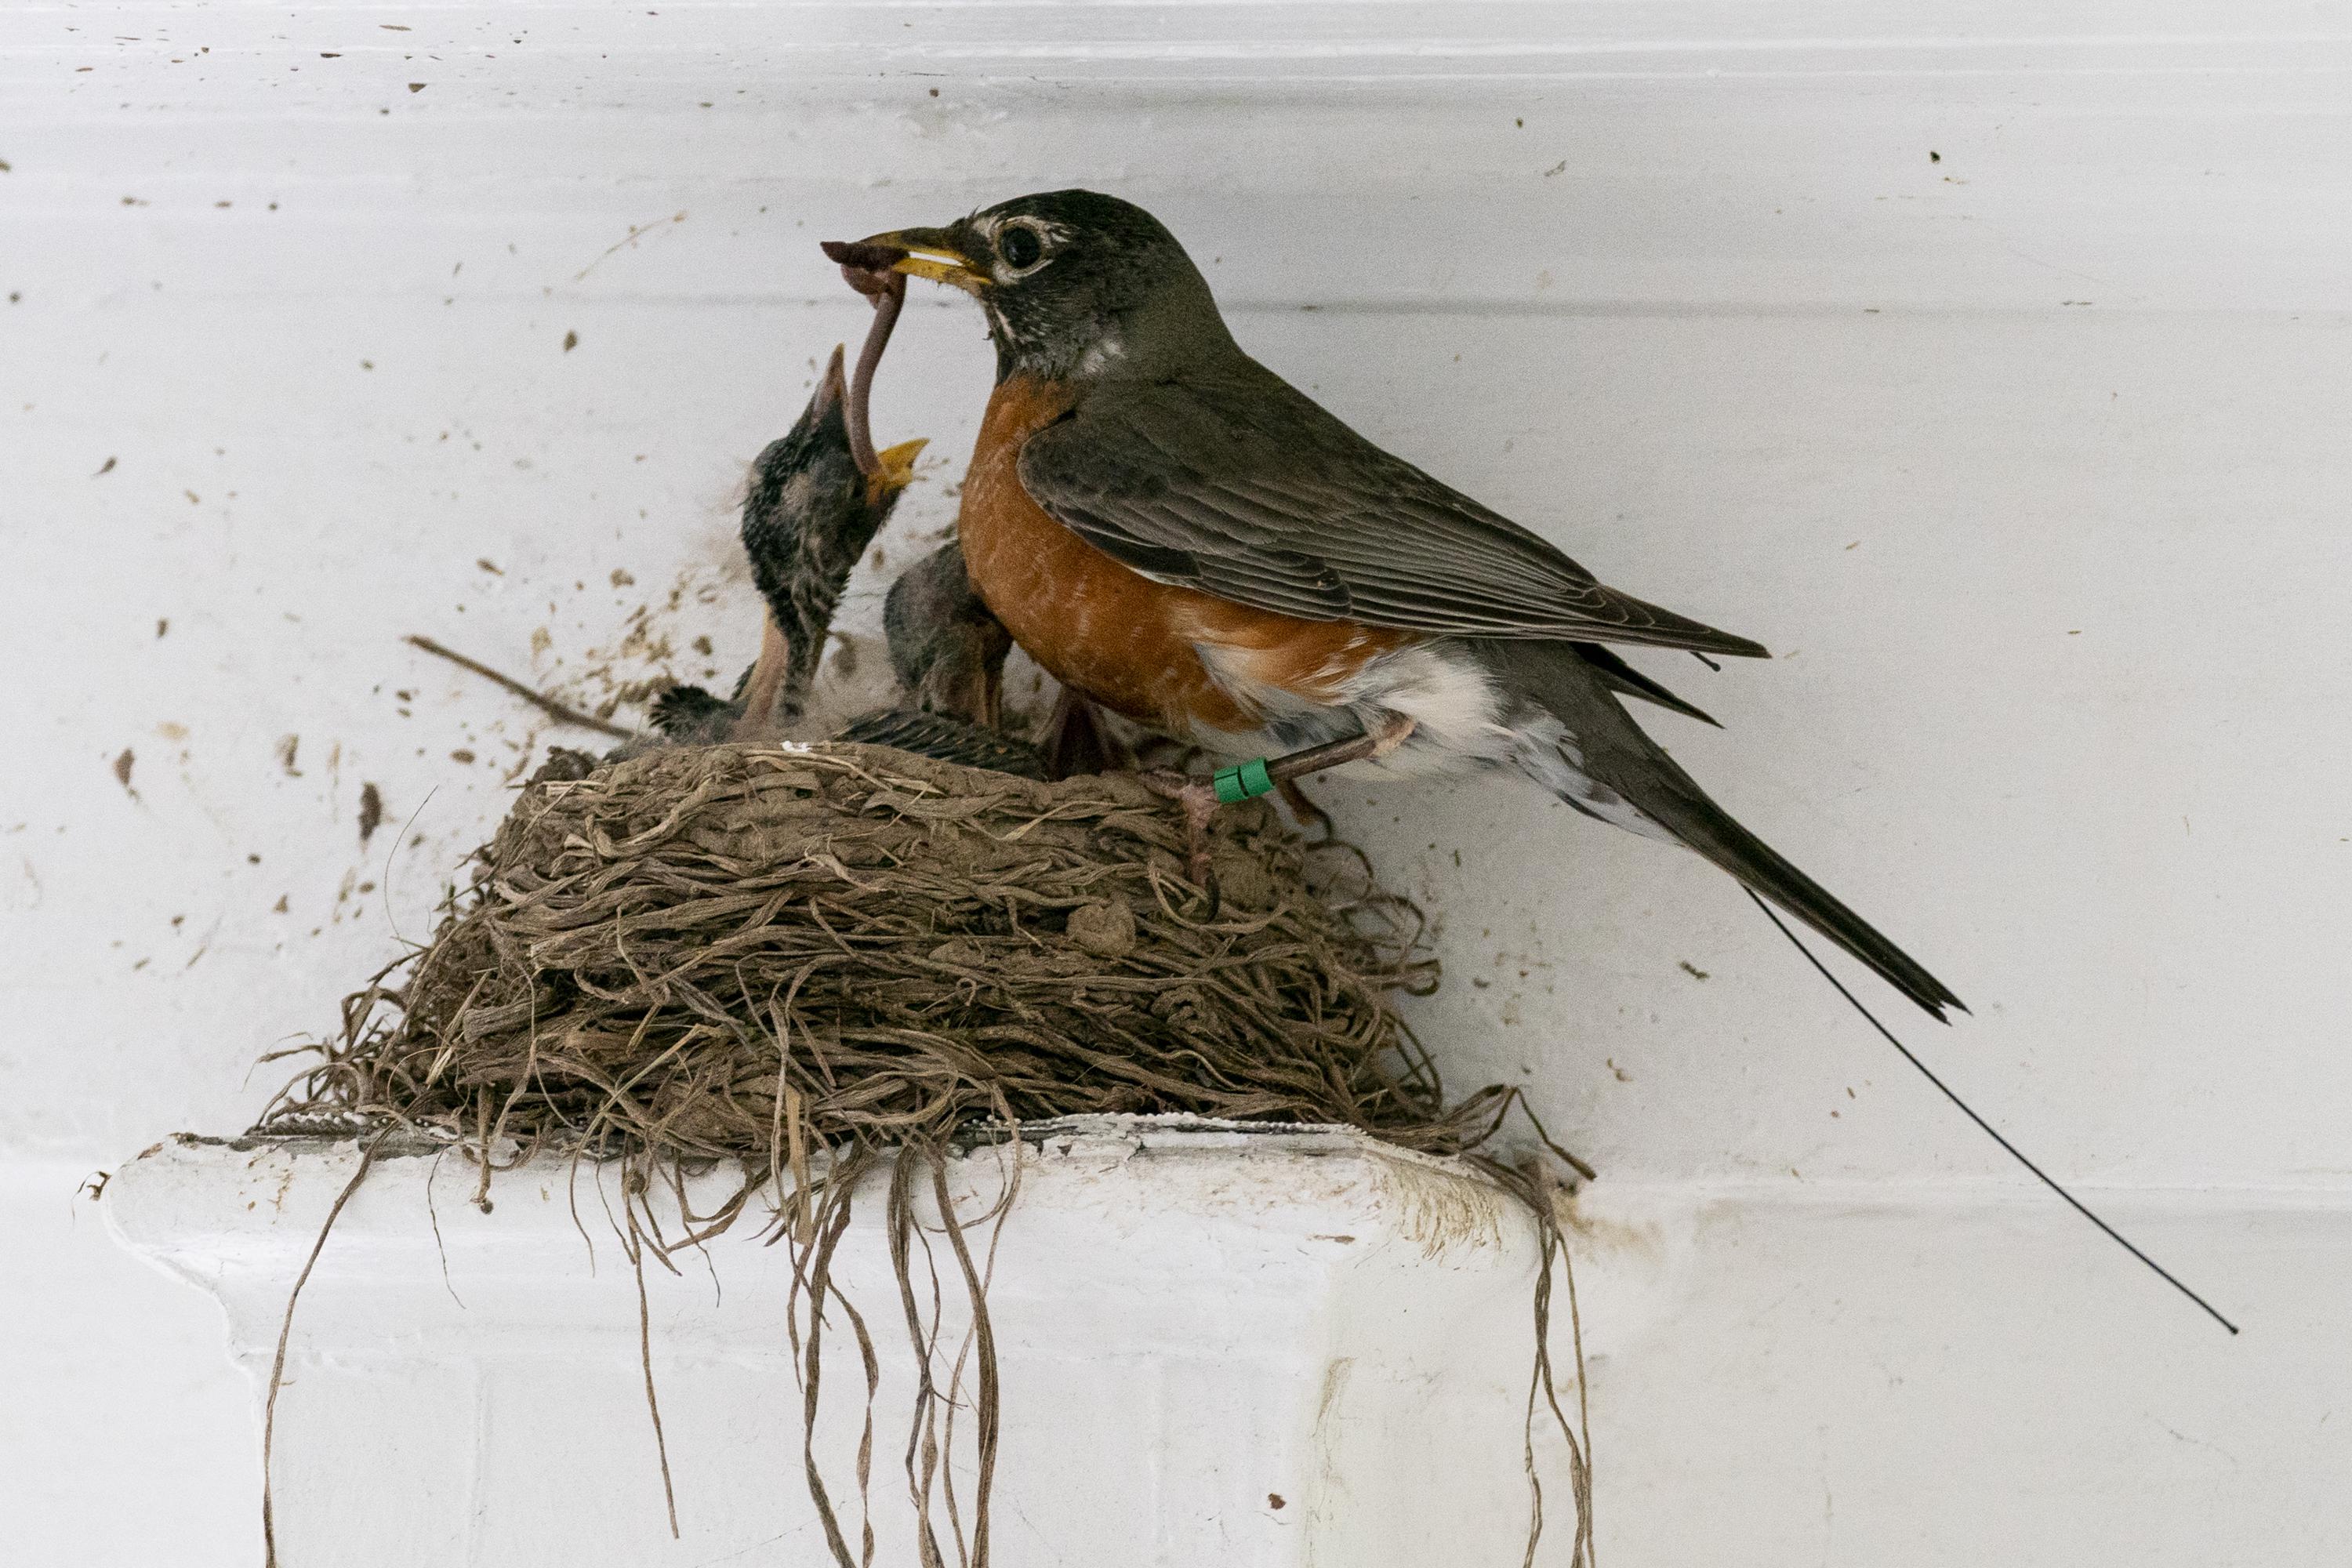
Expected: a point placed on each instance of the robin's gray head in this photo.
(1075, 284)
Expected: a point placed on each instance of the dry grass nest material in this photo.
(759, 953)
(804, 958)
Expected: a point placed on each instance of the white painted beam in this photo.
(1262, 1348)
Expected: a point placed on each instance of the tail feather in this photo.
(1705, 827)
(1624, 679)
(1603, 746)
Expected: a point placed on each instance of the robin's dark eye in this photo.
(1020, 246)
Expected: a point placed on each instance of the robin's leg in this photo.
(1264, 775)
(991, 690)
(1077, 740)
(1201, 797)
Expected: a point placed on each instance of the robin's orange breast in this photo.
(1139, 647)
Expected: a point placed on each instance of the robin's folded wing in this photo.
(1247, 489)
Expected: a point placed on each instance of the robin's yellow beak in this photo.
(932, 254)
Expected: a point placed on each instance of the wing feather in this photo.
(1246, 488)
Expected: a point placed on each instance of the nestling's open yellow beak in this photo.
(895, 468)
(930, 255)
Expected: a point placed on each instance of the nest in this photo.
(753, 951)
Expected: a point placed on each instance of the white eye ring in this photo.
(1036, 235)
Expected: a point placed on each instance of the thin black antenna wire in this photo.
(1990, 1132)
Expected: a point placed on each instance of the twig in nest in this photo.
(561, 712)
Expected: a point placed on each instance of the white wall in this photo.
(2027, 459)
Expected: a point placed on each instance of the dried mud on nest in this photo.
(806, 959)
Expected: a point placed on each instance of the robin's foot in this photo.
(1198, 796)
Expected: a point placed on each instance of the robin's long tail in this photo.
(1605, 765)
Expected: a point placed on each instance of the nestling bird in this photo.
(809, 514)
(947, 648)
(811, 510)
(1184, 537)
(818, 496)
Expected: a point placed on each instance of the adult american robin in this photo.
(1186, 538)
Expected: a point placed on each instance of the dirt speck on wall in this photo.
(371, 812)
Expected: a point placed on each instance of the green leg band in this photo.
(1247, 781)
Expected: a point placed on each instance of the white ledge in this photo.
(1216, 1346)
